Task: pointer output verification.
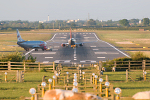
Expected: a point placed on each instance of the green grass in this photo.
(137, 40)
(32, 79)
(16, 90)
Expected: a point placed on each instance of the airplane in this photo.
(72, 42)
(31, 44)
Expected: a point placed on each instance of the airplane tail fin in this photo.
(70, 33)
(19, 36)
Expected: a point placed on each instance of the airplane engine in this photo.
(81, 44)
(63, 45)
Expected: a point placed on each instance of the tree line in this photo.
(63, 24)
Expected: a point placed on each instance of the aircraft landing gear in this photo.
(27, 49)
(36, 49)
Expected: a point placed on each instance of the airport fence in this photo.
(118, 65)
(26, 66)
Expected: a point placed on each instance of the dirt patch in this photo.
(126, 42)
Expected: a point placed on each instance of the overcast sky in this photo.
(35, 10)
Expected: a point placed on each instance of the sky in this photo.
(38, 10)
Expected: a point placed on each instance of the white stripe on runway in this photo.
(100, 57)
(95, 49)
(45, 61)
(93, 46)
(48, 57)
(100, 53)
(45, 53)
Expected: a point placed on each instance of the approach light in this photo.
(75, 74)
(5, 73)
(100, 80)
(93, 74)
(43, 84)
(57, 74)
(54, 76)
(75, 90)
(75, 80)
(75, 77)
(75, 83)
(32, 91)
(107, 84)
(67, 73)
(50, 80)
(83, 73)
(145, 72)
(117, 90)
(96, 76)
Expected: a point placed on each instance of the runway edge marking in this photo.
(112, 46)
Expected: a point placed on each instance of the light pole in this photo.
(43, 84)
(5, 76)
(32, 91)
(145, 75)
(96, 80)
(54, 81)
(50, 83)
(107, 86)
(83, 74)
(117, 91)
(93, 74)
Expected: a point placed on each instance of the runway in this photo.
(88, 53)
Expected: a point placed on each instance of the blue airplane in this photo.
(31, 44)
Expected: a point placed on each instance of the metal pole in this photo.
(43, 92)
(50, 86)
(53, 83)
(106, 91)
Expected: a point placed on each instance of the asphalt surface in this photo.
(89, 53)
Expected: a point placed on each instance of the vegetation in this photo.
(64, 24)
(124, 22)
(15, 90)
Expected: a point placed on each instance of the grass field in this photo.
(32, 79)
(132, 41)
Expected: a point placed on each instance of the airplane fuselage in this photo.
(32, 44)
(72, 42)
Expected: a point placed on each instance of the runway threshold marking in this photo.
(101, 57)
(45, 53)
(95, 49)
(92, 46)
(100, 53)
(45, 61)
(48, 57)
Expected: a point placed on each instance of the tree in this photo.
(40, 26)
(124, 22)
(91, 22)
(73, 24)
(146, 21)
